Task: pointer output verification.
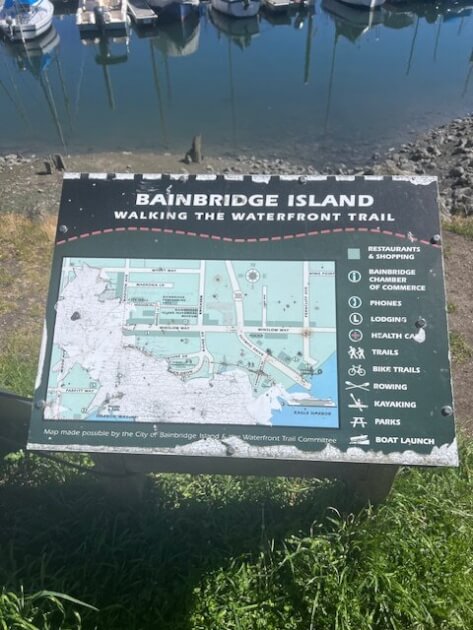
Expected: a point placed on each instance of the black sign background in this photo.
(422, 429)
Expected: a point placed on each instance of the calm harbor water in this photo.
(330, 84)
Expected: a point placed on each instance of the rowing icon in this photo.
(363, 386)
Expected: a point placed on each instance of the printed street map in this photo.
(209, 342)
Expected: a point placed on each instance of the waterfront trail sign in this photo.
(247, 317)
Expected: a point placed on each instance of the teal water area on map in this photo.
(330, 84)
(324, 386)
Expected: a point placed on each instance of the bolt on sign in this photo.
(247, 317)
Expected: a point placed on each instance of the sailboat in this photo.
(105, 57)
(170, 10)
(240, 33)
(37, 57)
(237, 8)
(98, 15)
(364, 4)
(178, 39)
(22, 20)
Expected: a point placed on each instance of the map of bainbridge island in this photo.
(241, 342)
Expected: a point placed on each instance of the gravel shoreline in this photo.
(27, 186)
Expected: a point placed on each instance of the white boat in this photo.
(96, 15)
(22, 20)
(178, 39)
(237, 8)
(172, 10)
(349, 21)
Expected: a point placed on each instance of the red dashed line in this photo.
(263, 239)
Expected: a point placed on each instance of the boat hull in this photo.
(170, 11)
(102, 18)
(29, 25)
(237, 8)
(364, 4)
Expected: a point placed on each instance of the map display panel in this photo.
(239, 323)
(247, 342)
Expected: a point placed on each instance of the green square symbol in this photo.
(353, 254)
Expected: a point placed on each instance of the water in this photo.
(331, 84)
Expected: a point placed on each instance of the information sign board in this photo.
(257, 317)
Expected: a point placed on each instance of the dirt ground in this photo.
(459, 280)
(26, 190)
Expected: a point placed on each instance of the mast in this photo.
(46, 86)
(157, 85)
(232, 94)
(411, 54)
(308, 48)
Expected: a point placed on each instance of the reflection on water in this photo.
(326, 83)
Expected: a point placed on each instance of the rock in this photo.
(456, 171)
(35, 214)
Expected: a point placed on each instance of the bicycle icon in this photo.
(357, 370)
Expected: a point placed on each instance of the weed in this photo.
(44, 610)
(232, 553)
(462, 226)
(459, 347)
(18, 362)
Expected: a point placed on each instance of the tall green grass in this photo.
(43, 610)
(225, 553)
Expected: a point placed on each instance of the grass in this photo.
(18, 362)
(216, 553)
(25, 253)
(459, 347)
(238, 553)
(44, 609)
(463, 226)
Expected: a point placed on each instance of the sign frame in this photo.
(380, 231)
